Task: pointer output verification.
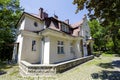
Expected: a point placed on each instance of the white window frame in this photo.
(60, 47)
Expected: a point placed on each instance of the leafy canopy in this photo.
(107, 12)
(10, 11)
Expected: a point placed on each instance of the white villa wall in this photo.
(85, 31)
(20, 41)
(29, 24)
(78, 49)
(27, 53)
(54, 56)
(21, 27)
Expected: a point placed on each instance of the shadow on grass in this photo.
(116, 63)
(106, 65)
(107, 75)
(4, 66)
(2, 72)
(110, 65)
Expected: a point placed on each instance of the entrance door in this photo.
(89, 49)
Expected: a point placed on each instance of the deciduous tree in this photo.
(108, 14)
(10, 11)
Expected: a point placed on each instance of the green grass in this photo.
(99, 68)
(108, 55)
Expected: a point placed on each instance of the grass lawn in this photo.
(106, 67)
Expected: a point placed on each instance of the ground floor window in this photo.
(33, 45)
(71, 48)
(60, 48)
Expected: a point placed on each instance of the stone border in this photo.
(27, 69)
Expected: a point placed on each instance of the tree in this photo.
(97, 33)
(10, 11)
(108, 14)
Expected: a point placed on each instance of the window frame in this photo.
(60, 47)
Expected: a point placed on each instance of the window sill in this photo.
(61, 53)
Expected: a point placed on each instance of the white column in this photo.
(42, 50)
(20, 50)
(46, 56)
(85, 48)
(77, 51)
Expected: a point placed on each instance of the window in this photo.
(35, 24)
(64, 28)
(71, 48)
(33, 45)
(60, 47)
(86, 36)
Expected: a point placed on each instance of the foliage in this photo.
(10, 11)
(108, 14)
(97, 32)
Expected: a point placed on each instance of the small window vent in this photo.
(35, 24)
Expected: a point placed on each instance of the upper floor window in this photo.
(64, 28)
(86, 35)
(60, 47)
(35, 24)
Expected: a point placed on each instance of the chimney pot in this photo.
(55, 16)
(41, 13)
(67, 21)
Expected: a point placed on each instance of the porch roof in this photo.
(52, 32)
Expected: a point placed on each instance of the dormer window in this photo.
(64, 28)
(35, 24)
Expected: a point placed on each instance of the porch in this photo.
(28, 69)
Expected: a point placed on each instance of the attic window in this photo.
(64, 28)
(35, 24)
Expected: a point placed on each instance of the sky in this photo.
(64, 9)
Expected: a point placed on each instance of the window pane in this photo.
(33, 45)
(58, 42)
(62, 50)
(62, 43)
(58, 50)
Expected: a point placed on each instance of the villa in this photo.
(47, 44)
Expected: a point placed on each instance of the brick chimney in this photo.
(55, 16)
(41, 13)
(45, 15)
(67, 21)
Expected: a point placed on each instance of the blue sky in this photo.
(64, 9)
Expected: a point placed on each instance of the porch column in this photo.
(92, 50)
(78, 53)
(46, 56)
(85, 48)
